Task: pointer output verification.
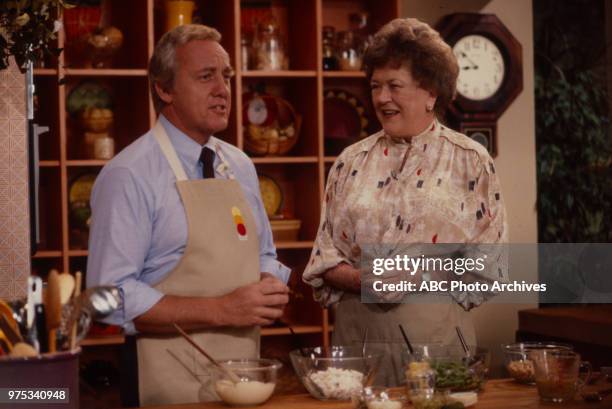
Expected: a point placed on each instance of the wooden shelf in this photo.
(47, 254)
(344, 74)
(86, 162)
(301, 176)
(45, 71)
(287, 245)
(105, 72)
(279, 74)
(49, 163)
(285, 159)
(99, 340)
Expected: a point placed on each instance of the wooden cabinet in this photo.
(303, 84)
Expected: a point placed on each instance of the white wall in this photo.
(515, 163)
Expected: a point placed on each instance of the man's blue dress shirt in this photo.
(138, 227)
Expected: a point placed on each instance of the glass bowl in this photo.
(257, 381)
(454, 371)
(517, 360)
(334, 373)
(379, 397)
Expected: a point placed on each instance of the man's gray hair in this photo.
(162, 67)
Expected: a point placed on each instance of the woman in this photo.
(414, 182)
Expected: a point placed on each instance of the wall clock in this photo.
(490, 73)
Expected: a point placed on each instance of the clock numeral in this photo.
(476, 91)
(499, 67)
(486, 46)
(466, 46)
(476, 42)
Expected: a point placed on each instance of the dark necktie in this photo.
(207, 157)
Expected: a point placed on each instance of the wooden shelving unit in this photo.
(304, 168)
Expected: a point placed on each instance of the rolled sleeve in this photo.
(120, 235)
(273, 266)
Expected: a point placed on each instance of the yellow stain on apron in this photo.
(222, 254)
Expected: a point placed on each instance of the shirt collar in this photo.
(186, 148)
(420, 139)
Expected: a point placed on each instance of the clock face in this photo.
(481, 67)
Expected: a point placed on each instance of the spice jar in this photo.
(349, 54)
(330, 62)
(269, 49)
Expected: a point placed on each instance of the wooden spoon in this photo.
(53, 308)
(66, 284)
(78, 277)
(233, 377)
(21, 349)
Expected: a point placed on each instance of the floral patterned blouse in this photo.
(438, 187)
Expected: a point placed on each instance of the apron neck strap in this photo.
(169, 152)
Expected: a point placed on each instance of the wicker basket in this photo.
(271, 138)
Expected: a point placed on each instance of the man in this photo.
(178, 224)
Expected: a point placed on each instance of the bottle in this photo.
(349, 56)
(270, 51)
(330, 62)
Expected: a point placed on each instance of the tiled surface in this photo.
(14, 205)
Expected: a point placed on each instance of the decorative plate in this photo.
(345, 120)
(271, 194)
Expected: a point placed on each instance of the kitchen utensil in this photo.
(101, 301)
(53, 308)
(94, 303)
(296, 340)
(232, 376)
(22, 350)
(77, 292)
(9, 331)
(66, 285)
(408, 344)
(257, 381)
(334, 373)
(469, 357)
(38, 315)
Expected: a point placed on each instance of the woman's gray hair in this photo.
(162, 66)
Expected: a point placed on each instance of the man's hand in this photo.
(255, 304)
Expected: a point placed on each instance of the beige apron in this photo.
(429, 321)
(220, 256)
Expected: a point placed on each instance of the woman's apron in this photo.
(432, 319)
(222, 254)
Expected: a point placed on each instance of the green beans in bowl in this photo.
(453, 369)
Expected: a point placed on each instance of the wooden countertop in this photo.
(497, 394)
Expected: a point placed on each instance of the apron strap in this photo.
(168, 150)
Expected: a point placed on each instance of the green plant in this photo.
(28, 28)
(574, 151)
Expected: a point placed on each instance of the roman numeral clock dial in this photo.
(490, 73)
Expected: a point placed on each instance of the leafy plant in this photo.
(574, 151)
(28, 28)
